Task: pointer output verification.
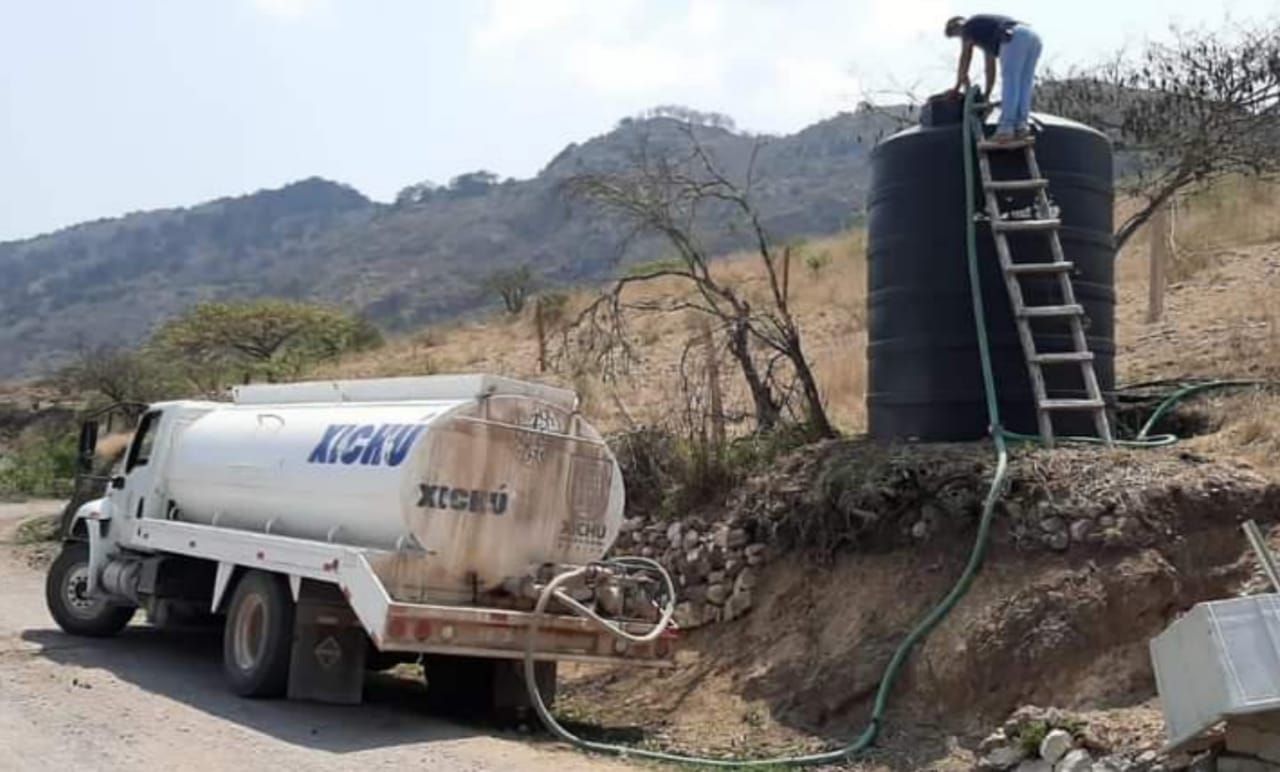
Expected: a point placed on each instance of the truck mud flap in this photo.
(329, 648)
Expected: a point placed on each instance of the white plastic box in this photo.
(1221, 659)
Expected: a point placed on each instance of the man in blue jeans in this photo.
(1017, 47)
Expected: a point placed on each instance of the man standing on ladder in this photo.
(1017, 46)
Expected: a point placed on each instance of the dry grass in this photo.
(827, 286)
(1222, 319)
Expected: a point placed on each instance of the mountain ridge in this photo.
(417, 260)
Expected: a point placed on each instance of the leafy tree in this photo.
(1200, 107)
(513, 285)
(418, 193)
(260, 339)
(472, 183)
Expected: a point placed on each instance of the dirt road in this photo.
(158, 699)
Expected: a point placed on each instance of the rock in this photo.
(1003, 758)
(1034, 765)
(992, 741)
(688, 615)
(920, 530)
(738, 605)
(755, 550)
(1075, 761)
(1058, 540)
(721, 537)
(746, 581)
(1107, 521)
(1081, 530)
(717, 577)
(1147, 760)
(738, 537)
(631, 524)
(1055, 745)
(674, 531)
(734, 566)
(691, 539)
(717, 558)
(1053, 524)
(697, 593)
(1109, 765)
(755, 560)
(718, 593)
(648, 552)
(698, 561)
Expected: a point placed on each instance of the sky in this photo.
(109, 107)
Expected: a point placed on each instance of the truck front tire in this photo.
(66, 591)
(257, 641)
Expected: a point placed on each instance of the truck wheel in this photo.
(66, 592)
(258, 638)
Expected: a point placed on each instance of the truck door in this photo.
(134, 493)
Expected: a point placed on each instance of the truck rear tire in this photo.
(257, 641)
(66, 593)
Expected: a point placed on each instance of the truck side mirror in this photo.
(88, 445)
(117, 483)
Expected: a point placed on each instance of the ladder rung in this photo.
(1028, 184)
(1072, 404)
(987, 145)
(1041, 312)
(1025, 225)
(1061, 267)
(1062, 358)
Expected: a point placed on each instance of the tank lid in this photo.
(421, 388)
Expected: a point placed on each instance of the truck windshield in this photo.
(140, 452)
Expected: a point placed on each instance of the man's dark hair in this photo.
(953, 26)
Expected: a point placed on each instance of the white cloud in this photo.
(287, 10)
(642, 68)
(774, 66)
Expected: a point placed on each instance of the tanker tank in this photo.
(464, 482)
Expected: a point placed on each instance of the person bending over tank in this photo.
(1017, 47)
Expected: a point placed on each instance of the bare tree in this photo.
(671, 195)
(117, 374)
(1200, 107)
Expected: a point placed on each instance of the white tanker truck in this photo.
(340, 526)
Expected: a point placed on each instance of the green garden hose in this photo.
(999, 437)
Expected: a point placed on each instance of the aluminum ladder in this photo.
(1044, 220)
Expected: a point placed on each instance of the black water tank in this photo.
(924, 371)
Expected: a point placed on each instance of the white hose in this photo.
(553, 590)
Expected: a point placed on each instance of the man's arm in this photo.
(991, 75)
(962, 74)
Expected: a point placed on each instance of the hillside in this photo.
(402, 264)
